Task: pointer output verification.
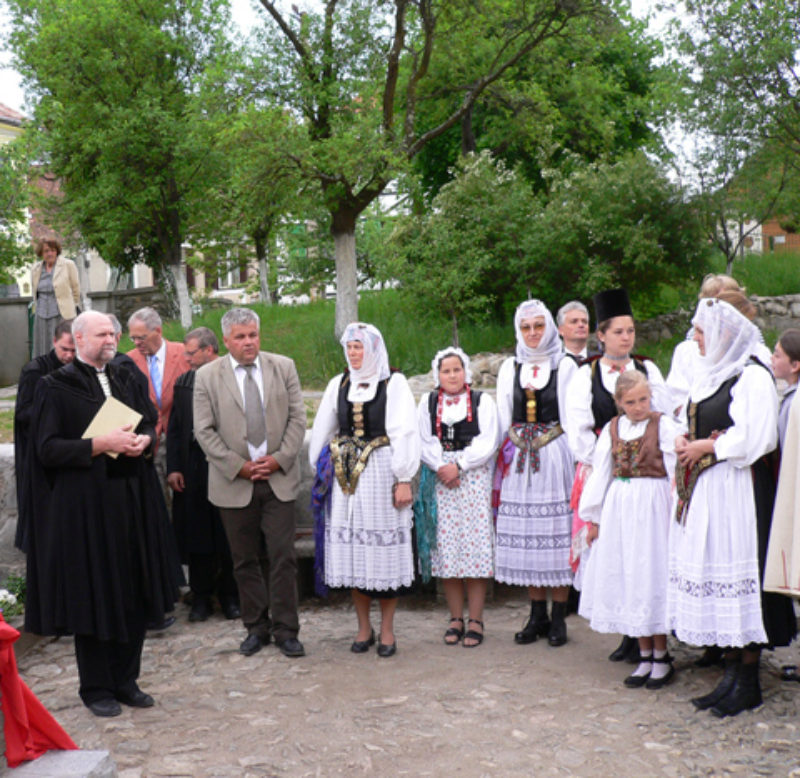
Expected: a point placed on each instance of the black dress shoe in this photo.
(106, 707)
(201, 609)
(362, 646)
(160, 626)
(387, 649)
(291, 647)
(137, 699)
(252, 644)
(230, 609)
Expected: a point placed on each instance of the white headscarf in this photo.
(450, 352)
(730, 340)
(375, 365)
(549, 349)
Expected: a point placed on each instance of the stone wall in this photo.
(124, 302)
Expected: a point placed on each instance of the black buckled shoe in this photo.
(658, 683)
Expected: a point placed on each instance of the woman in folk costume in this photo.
(453, 511)
(590, 405)
(367, 421)
(723, 508)
(627, 499)
(534, 474)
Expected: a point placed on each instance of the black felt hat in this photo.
(611, 303)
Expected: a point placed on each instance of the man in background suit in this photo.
(197, 523)
(250, 420)
(62, 353)
(162, 362)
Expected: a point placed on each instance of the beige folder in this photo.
(112, 415)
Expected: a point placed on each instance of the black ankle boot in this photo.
(538, 624)
(557, 635)
(745, 694)
(621, 652)
(711, 656)
(723, 687)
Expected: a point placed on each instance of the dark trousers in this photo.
(212, 573)
(107, 668)
(261, 538)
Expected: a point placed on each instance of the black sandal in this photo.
(473, 635)
(452, 632)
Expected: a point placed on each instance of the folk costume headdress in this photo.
(375, 365)
(459, 407)
(730, 340)
(549, 349)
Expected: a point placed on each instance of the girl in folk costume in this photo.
(627, 501)
(534, 475)
(366, 420)
(453, 511)
(786, 367)
(590, 405)
(723, 508)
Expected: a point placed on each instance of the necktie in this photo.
(155, 377)
(253, 410)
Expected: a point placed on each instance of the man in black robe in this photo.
(197, 523)
(62, 353)
(98, 562)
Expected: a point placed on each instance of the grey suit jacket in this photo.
(221, 429)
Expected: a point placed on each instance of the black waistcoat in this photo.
(713, 413)
(374, 411)
(456, 437)
(546, 400)
(604, 408)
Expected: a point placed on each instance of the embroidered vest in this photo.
(638, 458)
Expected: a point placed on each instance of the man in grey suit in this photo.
(250, 420)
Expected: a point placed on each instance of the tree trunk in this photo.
(178, 271)
(262, 254)
(343, 229)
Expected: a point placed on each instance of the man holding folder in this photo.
(98, 565)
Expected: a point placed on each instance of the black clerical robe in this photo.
(99, 543)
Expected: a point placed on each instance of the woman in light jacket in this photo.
(56, 293)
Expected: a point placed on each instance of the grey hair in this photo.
(148, 316)
(572, 305)
(115, 323)
(236, 316)
(204, 337)
(82, 319)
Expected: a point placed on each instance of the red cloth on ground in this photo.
(29, 729)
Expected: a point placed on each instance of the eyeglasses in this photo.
(139, 338)
(188, 354)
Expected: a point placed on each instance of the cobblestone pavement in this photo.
(496, 710)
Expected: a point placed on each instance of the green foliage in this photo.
(115, 83)
(15, 248)
(616, 224)
(458, 259)
(593, 93)
(740, 101)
